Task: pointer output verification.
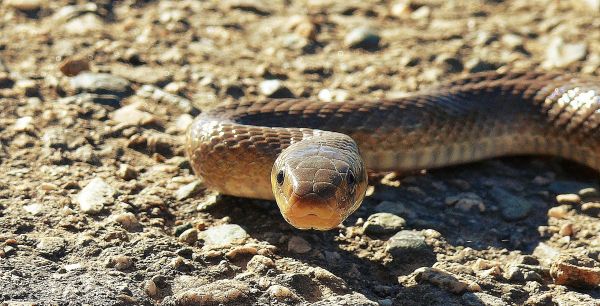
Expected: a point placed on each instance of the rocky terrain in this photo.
(99, 206)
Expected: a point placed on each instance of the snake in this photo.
(313, 157)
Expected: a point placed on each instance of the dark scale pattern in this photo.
(480, 116)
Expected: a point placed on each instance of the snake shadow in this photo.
(515, 195)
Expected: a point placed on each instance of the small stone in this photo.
(74, 66)
(27, 88)
(385, 302)
(127, 220)
(568, 198)
(95, 195)
(225, 234)
(422, 12)
(591, 209)
(566, 229)
(48, 186)
(127, 172)
(73, 267)
(513, 41)
(101, 83)
(84, 24)
(443, 279)
(365, 38)
(274, 89)
(329, 95)
(514, 274)
(34, 209)
(396, 208)
(120, 262)
(560, 54)
(241, 251)
(143, 74)
(577, 272)
(589, 193)
(298, 245)
(466, 201)
(408, 246)
(24, 5)
(131, 115)
(188, 190)
(383, 223)
(260, 264)
(151, 288)
(400, 8)
(51, 246)
(189, 236)
(559, 212)
(281, 293)
(512, 207)
(183, 122)
(23, 124)
(545, 253)
(220, 292)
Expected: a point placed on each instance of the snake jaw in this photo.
(312, 212)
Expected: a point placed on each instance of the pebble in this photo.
(101, 83)
(408, 246)
(120, 262)
(241, 251)
(383, 223)
(24, 5)
(589, 194)
(591, 209)
(127, 220)
(545, 253)
(34, 209)
(189, 236)
(225, 234)
(95, 195)
(131, 115)
(260, 264)
(298, 245)
(466, 201)
(183, 122)
(559, 212)
(444, 280)
(566, 229)
(330, 95)
(159, 95)
(74, 66)
(281, 293)
(127, 172)
(51, 246)
(220, 292)
(23, 124)
(400, 8)
(512, 207)
(422, 12)
(570, 198)
(365, 38)
(143, 74)
(150, 288)
(570, 271)
(188, 190)
(560, 54)
(84, 24)
(274, 89)
(396, 208)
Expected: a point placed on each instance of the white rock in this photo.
(95, 196)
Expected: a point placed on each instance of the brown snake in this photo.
(309, 155)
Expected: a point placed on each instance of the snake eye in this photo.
(350, 179)
(280, 177)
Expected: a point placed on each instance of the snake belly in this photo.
(480, 116)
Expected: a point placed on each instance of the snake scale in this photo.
(312, 157)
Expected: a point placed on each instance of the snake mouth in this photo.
(312, 213)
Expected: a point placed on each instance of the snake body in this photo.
(312, 156)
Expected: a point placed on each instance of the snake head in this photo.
(318, 182)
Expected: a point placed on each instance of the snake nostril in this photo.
(280, 177)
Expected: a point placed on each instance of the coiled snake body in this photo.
(312, 156)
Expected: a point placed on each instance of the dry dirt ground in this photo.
(99, 206)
